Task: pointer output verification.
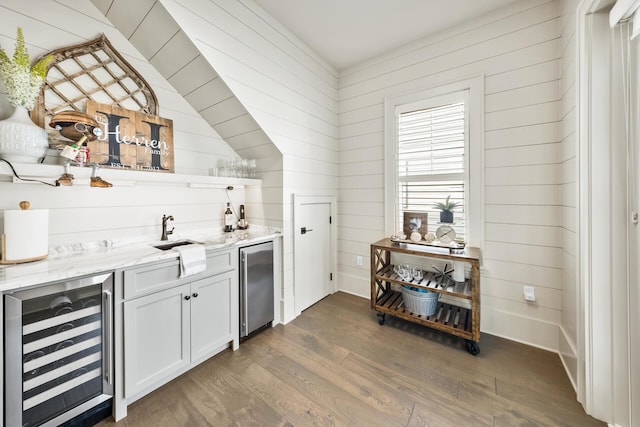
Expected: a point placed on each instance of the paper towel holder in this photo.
(24, 206)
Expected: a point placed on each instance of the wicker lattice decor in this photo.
(91, 71)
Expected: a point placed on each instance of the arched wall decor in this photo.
(91, 71)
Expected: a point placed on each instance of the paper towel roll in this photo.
(26, 235)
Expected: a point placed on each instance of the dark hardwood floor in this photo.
(336, 366)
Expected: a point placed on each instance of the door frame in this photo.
(604, 340)
(298, 201)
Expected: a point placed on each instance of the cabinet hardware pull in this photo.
(107, 305)
(187, 297)
(195, 295)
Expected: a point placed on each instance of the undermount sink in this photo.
(171, 245)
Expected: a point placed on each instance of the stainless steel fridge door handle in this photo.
(245, 291)
(108, 344)
(13, 359)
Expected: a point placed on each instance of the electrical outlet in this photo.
(529, 293)
(359, 260)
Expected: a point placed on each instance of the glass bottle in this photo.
(228, 219)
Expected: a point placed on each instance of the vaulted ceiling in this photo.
(343, 32)
(152, 30)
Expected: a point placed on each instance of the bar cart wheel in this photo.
(472, 347)
(381, 318)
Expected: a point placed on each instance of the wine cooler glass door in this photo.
(61, 359)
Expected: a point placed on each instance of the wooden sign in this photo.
(131, 140)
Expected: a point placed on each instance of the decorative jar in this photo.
(21, 140)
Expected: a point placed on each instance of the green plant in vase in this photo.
(22, 80)
(20, 139)
(446, 209)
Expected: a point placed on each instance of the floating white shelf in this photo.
(121, 177)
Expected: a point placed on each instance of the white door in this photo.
(313, 253)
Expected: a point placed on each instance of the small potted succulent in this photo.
(446, 209)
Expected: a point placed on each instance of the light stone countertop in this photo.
(80, 259)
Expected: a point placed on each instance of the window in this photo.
(433, 149)
(431, 160)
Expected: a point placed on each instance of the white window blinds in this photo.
(431, 161)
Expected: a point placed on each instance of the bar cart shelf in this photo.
(449, 317)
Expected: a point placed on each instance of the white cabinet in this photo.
(211, 314)
(172, 324)
(156, 337)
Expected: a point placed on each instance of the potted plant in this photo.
(22, 140)
(446, 209)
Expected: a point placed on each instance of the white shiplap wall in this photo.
(568, 344)
(81, 213)
(288, 90)
(517, 49)
(293, 95)
(178, 60)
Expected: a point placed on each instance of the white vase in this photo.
(21, 140)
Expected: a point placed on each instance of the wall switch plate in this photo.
(358, 260)
(529, 293)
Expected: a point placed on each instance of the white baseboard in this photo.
(569, 358)
(354, 285)
(355, 294)
(287, 310)
(522, 329)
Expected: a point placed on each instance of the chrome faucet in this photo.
(165, 233)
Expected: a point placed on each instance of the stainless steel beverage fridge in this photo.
(256, 287)
(58, 351)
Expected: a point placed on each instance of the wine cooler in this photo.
(58, 351)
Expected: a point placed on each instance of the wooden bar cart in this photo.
(449, 317)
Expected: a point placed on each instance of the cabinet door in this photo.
(212, 314)
(156, 337)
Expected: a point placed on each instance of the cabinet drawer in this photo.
(150, 278)
(163, 275)
(220, 261)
